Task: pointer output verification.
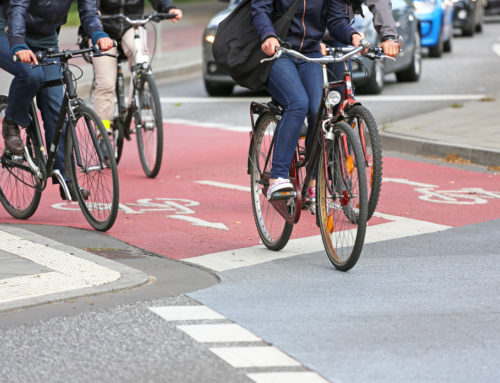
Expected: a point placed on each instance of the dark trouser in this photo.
(296, 85)
(27, 83)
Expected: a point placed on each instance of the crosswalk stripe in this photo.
(184, 313)
(227, 332)
(245, 357)
(286, 377)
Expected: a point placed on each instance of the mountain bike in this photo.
(335, 158)
(91, 174)
(145, 106)
(363, 122)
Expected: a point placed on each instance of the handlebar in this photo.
(333, 54)
(65, 55)
(156, 17)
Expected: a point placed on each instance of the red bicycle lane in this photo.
(200, 201)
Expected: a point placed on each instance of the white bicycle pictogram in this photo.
(464, 196)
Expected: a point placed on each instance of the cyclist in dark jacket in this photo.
(296, 84)
(32, 25)
(105, 67)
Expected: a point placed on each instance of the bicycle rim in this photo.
(362, 121)
(342, 198)
(18, 187)
(273, 229)
(98, 179)
(150, 135)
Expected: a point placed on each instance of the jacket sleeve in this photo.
(261, 18)
(383, 21)
(16, 14)
(89, 17)
(162, 5)
(338, 22)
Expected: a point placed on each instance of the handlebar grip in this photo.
(15, 58)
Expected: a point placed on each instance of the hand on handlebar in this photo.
(359, 39)
(391, 48)
(26, 56)
(104, 44)
(270, 46)
(177, 12)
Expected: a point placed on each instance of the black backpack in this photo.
(237, 46)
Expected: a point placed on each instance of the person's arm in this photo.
(383, 21)
(338, 23)
(261, 20)
(166, 6)
(92, 26)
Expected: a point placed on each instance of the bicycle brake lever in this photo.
(385, 57)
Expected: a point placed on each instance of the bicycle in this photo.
(335, 152)
(362, 121)
(145, 107)
(89, 163)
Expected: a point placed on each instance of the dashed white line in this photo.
(286, 377)
(245, 357)
(227, 332)
(224, 185)
(209, 125)
(183, 313)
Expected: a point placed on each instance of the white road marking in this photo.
(209, 125)
(379, 98)
(400, 227)
(496, 48)
(70, 272)
(184, 313)
(225, 185)
(407, 182)
(286, 377)
(246, 357)
(199, 222)
(227, 332)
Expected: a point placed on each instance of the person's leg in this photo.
(105, 78)
(286, 87)
(24, 86)
(49, 101)
(128, 46)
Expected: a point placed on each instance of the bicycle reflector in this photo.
(333, 98)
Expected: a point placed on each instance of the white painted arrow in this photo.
(199, 222)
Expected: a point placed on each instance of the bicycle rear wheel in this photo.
(273, 229)
(91, 163)
(342, 197)
(362, 121)
(20, 191)
(150, 133)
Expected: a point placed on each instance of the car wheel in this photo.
(412, 73)
(218, 89)
(437, 50)
(375, 83)
(479, 27)
(469, 30)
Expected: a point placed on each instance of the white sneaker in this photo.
(279, 184)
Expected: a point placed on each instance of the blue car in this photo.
(436, 25)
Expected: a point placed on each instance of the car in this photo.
(436, 25)
(217, 83)
(368, 75)
(492, 7)
(468, 16)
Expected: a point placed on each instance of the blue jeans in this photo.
(296, 85)
(27, 83)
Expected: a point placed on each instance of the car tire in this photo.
(412, 73)
(479, 27)
(469, 30)
(375, 83)
(218, 89)
(437, 50)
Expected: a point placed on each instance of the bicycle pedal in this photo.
(285, 194)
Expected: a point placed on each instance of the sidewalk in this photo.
(38, 274)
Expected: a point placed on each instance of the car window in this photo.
(399, 4)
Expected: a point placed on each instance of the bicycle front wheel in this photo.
(362, 121)
(19, 189)
(273, 229)
(92, 168)
(342, 197)
(149, 128)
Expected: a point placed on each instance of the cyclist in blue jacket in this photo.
(32, 25)
(296, 84)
